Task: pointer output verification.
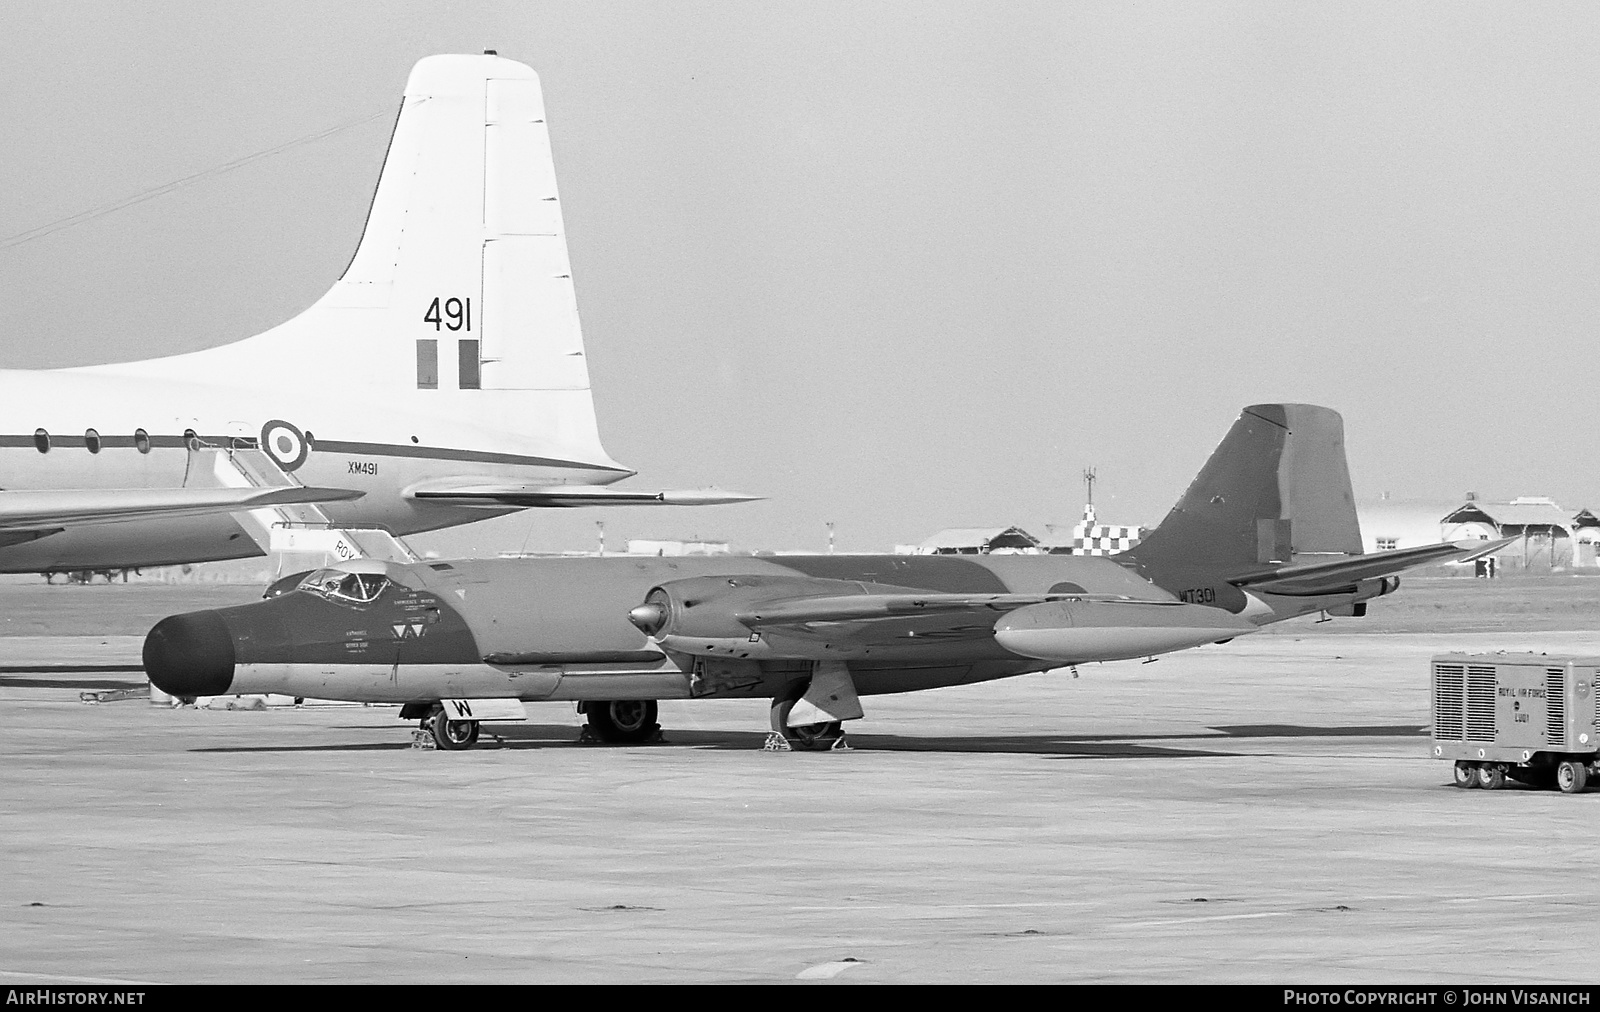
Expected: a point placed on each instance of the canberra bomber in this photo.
(1267, 531)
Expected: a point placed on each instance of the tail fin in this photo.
(461, 281)
(466, 220)
(1277, 486)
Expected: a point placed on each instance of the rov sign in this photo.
(313, 539)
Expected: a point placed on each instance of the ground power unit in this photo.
(1530, 717)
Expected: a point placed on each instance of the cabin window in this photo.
(141, 440)
(355, 587)
(41, 440)
(427, 364)
(91, 439)
(468, 355)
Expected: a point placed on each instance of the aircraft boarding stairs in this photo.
(298, 535)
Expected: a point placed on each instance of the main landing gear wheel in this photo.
(623, 721)
(811, 737)
(1491, 778)
(451, 735)
(1466, 775)
(1572, 777)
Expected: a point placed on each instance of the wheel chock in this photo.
(778, 743)
(423, 738)
(113, 695)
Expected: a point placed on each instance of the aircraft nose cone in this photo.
(190, 655)
(649, 618)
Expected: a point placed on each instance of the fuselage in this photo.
(558, 629)
(94, 429)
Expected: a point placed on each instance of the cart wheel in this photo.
(1572, 777)
(1466, 775)
(1491, 778)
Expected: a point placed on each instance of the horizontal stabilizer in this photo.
(567, 496)
(1317, 578)
(61, 508)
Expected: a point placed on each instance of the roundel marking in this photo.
(285, 444)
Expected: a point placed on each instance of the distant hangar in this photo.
(1086, 537)
(1550, 538)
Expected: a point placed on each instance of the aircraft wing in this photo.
(52, 510)
(871, 607)
(1313, 579)
(566, 496)
(716, 616)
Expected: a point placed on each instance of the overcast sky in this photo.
(896, 266)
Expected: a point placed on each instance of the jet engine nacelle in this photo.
(1077, 632)
(756, 617)
(698, 616)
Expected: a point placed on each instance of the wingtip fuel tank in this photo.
(1078, 632)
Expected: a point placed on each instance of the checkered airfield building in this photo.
(1089, 538)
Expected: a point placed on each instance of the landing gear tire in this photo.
(1572, 777)
(811, 737)
(1466, 775)
(816, 737)
(1491, 778)
(623, 721)
(451, 735)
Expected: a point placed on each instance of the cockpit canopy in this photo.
(356, 588)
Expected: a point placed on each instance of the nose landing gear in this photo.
(451, 735)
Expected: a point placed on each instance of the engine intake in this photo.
(651, 617)
(698, 615)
